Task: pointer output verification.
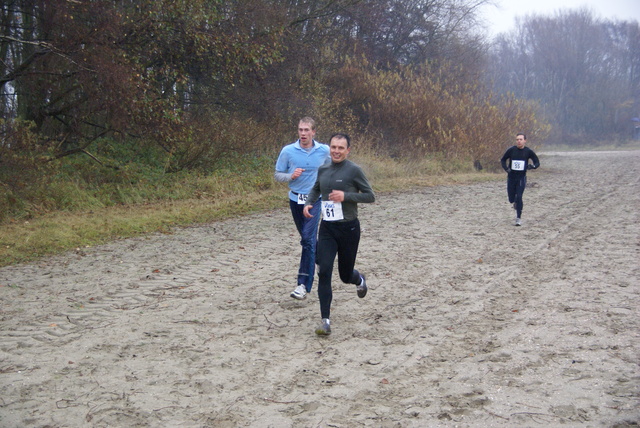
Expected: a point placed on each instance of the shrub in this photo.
(415, 111)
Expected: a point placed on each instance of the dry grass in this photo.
(24, 241)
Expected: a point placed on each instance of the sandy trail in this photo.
(469, 321)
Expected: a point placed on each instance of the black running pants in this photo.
(341, 239)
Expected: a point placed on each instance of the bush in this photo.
(417, 111)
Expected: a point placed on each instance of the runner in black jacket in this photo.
(342, 185)
(517, 167)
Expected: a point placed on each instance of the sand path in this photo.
(469, 321)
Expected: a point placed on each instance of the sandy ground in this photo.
(469, 321)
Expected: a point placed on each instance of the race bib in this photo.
(518, 165)
(302, 199)
(332, 211)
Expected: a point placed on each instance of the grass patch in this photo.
(91, 217)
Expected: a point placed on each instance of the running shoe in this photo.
(324, 329)
(299, 293)
(362, 288)
(518, 222)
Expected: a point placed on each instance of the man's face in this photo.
(338, 149)
(520, 141)
(305, 134)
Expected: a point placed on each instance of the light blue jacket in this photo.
(293, 156)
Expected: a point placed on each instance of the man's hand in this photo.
(297, 173)
(305, 211)
(336, 196)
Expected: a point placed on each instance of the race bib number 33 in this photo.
(518, 165)
(332, 211)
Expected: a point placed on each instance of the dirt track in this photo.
(469, 321)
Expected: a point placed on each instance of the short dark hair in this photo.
(341, 135)
(520, 133)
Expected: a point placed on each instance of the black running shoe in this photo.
(324, 329)
(362, 288)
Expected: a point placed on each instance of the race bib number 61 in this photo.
(332, 211)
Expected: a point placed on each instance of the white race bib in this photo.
(518, 165)
(332, 211)
(302, 199)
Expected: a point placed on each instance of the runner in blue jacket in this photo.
(298, 165)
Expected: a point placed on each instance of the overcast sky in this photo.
(502, 18)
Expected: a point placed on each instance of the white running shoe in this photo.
(300, 292)
(518, 222)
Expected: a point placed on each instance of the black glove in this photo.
(531, 166)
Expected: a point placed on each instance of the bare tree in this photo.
(582, 70)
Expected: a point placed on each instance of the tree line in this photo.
(583, 71)
(182, 84)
